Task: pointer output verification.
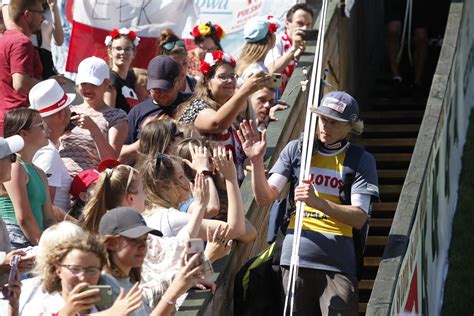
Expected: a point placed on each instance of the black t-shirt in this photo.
(145, 109)
(126, 96)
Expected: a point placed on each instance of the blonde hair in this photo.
(160, 181)
(357, 127)
(86, 243)
(111, 188)
(50, 238)
(255, 52)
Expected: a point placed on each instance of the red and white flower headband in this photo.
(123, 31)
(212, 58)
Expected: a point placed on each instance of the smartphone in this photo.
(13, 270)
(276, 80)
(71, 124)
(194, 246)
(310, 35)
(105, 292)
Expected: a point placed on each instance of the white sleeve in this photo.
(361, 200)
(275, 53)
(5, 2)
(278, 181)
(50, 162)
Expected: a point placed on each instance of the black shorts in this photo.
(394, 10)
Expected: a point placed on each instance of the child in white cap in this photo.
(100, 130)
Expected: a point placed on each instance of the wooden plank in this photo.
(387, 142)
(390, 189)
(396, 127)
(402, 157)
(393, 115)
(372, 261)
(376, 240)
(385, 207)
(362, 307)
(366, 284)
(381, 222)
(392, 174)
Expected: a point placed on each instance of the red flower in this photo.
(232, 62)
(217, 55)
(195, 32)
(132, 35)
(205, 67)
(272, 28)
(114, 33)
(219, 31)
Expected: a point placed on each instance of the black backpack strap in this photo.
(359, 236)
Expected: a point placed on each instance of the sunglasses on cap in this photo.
(171, 45)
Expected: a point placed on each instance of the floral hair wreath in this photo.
(212, 58)
(273, 26)
(123, 31)
(206, 29)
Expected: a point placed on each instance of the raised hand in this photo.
(218, 244)
(200, 158)
(79, 300)
(253, 145)
(125, 305)
(200, 190)
(224, 163)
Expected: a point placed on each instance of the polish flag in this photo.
(93, 20)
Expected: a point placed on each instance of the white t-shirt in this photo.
(49, 160)
(169, 221)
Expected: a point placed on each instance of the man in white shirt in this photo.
(53, 104)
(290, 45)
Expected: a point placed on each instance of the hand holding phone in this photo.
(196, 245)
(275, 81)
(13, 272)
(310, 35)
(71, 123)
(105, 292)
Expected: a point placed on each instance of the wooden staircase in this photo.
(390, 134)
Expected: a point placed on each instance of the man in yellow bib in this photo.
(327, 281)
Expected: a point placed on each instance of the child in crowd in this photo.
(121, 45)
(100, 130)
(207, 38)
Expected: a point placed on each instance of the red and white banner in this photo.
(93, 20)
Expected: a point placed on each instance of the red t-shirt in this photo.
(17, 55)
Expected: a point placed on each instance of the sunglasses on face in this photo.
(171, 45)
(11, 157)
(225, 77)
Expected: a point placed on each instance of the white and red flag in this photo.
(94, 19)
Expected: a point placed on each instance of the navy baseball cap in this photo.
(125, 221)
(339, 106)
(162, 72)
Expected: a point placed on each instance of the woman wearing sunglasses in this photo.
(173, 46)
(25, 204)
(217, 103)
(121, 45)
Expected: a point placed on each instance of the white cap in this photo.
(47, 97)
(10, 145)
(92, 70)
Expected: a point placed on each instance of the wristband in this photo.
(167, 301)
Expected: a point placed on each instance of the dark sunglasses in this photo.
(171, 45)
(11, 157)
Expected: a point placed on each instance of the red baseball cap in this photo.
(82, 181)
(108, 163)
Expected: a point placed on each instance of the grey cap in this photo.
(339, 106)
(10, 145)
(125, 221)
(162, 72)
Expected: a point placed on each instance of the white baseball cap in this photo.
(92, 70)
(47, 97)
(10, 145)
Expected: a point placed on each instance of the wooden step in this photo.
(390, 189)
(385, 207)
(395, 115)
(387, 142)
(362, 308)
(404, 157)
(381, 222)
(366, 284)
(392, 128)
(392, 174)
(376, 240)
(372, 261)
(406, 102)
